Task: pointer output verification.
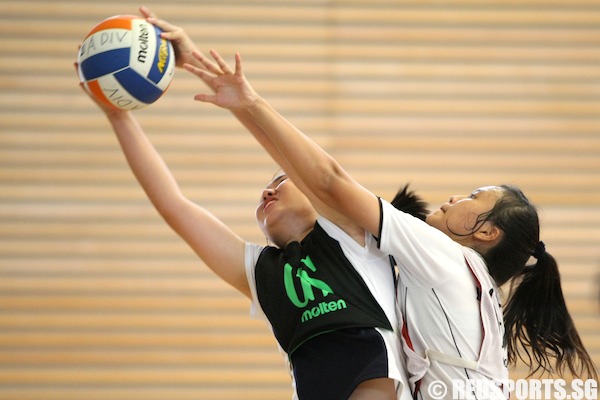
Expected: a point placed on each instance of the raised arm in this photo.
(186, 52)
(323, 175)
(218, 246)
(308, 165)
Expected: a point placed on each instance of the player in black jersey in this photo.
(323, 285)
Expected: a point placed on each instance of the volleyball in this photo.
(125, 63)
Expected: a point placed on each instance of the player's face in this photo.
(459, 216)
(284, 213)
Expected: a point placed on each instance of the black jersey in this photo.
(311, 288)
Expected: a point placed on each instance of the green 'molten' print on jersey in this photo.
(308, 284)
(310, 288)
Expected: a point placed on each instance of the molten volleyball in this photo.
(125, 63)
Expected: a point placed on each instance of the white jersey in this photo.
(453, 326)
(375, 269)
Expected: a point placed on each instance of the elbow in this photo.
(331, 182)
(171, 209)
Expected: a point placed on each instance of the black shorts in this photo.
(330, 366)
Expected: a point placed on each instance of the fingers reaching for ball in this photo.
(183, 45)
(232, 90)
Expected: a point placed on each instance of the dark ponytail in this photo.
(538, 326)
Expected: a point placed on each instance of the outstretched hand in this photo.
(231, 89)
(183, 46)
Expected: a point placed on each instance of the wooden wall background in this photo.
(100, 300)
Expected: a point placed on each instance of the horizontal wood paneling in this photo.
(100, 300)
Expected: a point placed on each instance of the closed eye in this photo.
(474, 194)
(277, 181)
(284, 178)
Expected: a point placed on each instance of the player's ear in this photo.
(488, 232)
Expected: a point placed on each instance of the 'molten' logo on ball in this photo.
(143, 39)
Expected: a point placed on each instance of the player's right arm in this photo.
(217, 245)
(332, 191)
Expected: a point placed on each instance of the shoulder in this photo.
(400, 228)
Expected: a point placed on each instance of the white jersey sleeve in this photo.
(253, 251)
(426, 256)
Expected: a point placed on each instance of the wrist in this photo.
(115, 115)
(256, 105)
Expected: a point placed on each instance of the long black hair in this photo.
(538, 326)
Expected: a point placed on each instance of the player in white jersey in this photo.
(444, 339)
(457, 258)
